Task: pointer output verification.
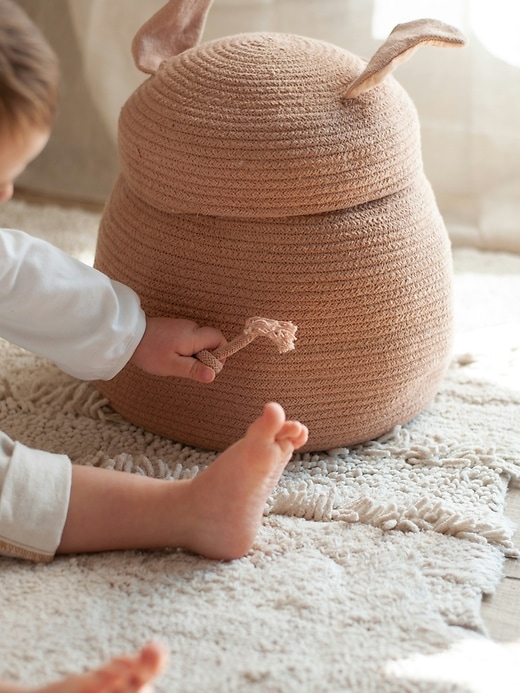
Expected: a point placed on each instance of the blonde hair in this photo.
(29, 72)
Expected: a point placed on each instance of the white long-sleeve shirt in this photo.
(59, 308)
(62, 309)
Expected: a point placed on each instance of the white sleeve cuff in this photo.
(34, 500)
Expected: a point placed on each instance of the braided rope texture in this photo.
(248, 187)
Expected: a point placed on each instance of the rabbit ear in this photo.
(399, 46)
(173, 29)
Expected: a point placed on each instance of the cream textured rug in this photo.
(369, 570)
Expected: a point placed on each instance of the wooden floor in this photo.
(501, 611)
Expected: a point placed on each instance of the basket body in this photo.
(325, 219)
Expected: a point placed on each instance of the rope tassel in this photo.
(281, 333)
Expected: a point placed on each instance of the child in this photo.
(91, 326)
(130, 674)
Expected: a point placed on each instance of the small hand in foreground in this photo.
(168, 346)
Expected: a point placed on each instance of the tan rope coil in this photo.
(250, 185)
(281, 333)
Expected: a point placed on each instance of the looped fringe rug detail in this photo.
(368, 572)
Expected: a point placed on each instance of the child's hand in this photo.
(168, 345)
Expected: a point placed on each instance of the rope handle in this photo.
(282, 333)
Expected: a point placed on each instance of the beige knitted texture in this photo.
(253, 126)
(249, 188)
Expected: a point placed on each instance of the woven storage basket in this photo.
(250, 186)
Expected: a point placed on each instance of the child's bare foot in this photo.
(130, 674)
(227, 500)
(216, 514)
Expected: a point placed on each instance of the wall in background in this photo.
(468, 100)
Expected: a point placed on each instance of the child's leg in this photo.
(131, 674)
(216, 514)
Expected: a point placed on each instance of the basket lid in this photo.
(255, 125)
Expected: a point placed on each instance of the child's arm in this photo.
(89, 325)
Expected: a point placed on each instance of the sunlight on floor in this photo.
(477, 663)
(491, 298)
(494, 355)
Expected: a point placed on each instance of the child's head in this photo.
(29, 86)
